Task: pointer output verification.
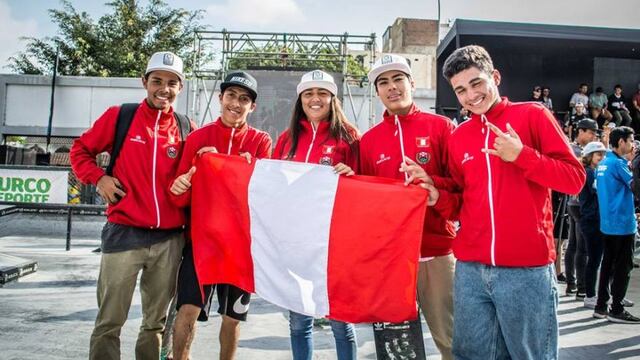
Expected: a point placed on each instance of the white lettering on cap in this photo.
(241, 80)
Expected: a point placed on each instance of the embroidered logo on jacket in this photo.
(466, 158)
(422, 141)
(382, 159)
(423, 157)
(138, 139)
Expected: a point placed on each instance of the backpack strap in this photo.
(184, 125)
(123, 123)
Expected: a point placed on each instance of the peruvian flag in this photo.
(306, 239)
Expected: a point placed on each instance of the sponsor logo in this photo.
(241, 80)
(138, 139)
(172, 152)
(422, 141)
(167, 59)
(387, 59)
(466, 158)
(239, 307)
(423, 157)
(382, 159)
(317, 75)
(328, 149)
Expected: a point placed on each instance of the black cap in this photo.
(242, 79)
(587, 124)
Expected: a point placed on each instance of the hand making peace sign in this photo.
(506, 145)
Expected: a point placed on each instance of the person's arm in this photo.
(623, 173)
(573, 100)
(278, 151)
(264, 148)
(183, 175)
(636, 105)
(549, 161)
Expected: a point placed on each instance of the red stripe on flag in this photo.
(220, 221)
(374, 246)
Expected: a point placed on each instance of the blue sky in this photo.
(30, 18)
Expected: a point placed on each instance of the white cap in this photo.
(592, 147)
(167, 61)
(386, 63)
(317, 79)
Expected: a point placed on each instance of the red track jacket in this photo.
(423, 138)
(506, 217)
(146, 164)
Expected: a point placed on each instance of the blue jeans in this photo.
(301, 327)
(505, 313)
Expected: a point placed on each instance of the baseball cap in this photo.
(167, 61)
(592, 147)
(242, 79)
(388, 62)
(317, 79)
(587, 124)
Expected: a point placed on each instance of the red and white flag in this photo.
(306, 239)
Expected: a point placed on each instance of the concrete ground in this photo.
(50, 314)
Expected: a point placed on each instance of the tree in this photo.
(118, 44)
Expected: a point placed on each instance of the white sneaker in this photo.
(627, 303)
(590, 302)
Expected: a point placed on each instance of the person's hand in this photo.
(207, 149)
(507, 146)
(183, 182)
(246, 155)
(434, 194)
(110, 189)
(414, 172)
(342, 169)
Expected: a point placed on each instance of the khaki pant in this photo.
(435, 295)
(116, 284)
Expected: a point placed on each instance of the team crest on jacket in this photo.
(422, 142)
(327, 149)
(172, 152)
(326, 160)
(423, 157)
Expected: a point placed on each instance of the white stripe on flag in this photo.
(290, 262)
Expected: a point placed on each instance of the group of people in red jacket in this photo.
(487, 289)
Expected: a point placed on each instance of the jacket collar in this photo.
(151, 114)
(323, 126)
(495, 110)
(391, 119)
(227, 130)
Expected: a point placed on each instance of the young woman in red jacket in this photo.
(319, 133)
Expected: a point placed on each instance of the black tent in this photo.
(557, 56)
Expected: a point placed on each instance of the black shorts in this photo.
(233, 301)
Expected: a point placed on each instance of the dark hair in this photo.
(599, 89)
(546, 88)
(339, 127)
(586, 159)
(583, 84)
(618, 86)
(465, 58)
(619, 133)
(537, 88)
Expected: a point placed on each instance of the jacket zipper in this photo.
(155, 163)
(490, 189)
(233, 131)
(313, 139)
(399, 129)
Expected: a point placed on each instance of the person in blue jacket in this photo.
(618, 226)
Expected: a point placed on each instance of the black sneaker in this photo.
(580, 295)
(571, 289)
(600, 313)
(561, 278)
(623, 318)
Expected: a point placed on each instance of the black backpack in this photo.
(123, 123)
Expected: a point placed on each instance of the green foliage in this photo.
(117, 45)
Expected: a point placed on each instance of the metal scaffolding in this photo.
(216, 52)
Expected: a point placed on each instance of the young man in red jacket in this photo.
(144, 231)
(229, 134)
(505, 160)
(407, 137)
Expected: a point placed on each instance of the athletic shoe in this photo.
(600, 313)
(623, 318)
(590, 302)
(580, 295)
(561, 278)
(571, 289)
(627, 303)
